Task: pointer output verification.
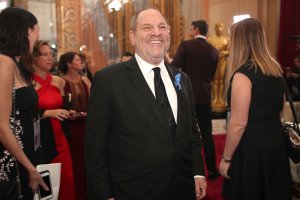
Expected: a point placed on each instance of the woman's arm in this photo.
(59, 83)
(7, 137)
(87, 83)
(60, 114)
(240, 103)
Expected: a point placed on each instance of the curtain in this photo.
(289, 26)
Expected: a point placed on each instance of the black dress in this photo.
(26, 100)
(27, 104)
(260, 167)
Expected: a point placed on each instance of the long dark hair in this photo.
(14, 24)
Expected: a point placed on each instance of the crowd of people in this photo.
(135, 129)
(19, 153)
(43, 115)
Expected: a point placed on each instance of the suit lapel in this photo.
(142, 87)
(180, 98)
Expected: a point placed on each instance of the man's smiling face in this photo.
(151, 38)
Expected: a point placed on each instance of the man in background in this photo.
(199, 60)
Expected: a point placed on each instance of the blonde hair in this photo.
(36, 52)
(37, 46)
(248, 42)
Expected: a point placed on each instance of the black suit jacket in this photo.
(199, 60)
(130, 152)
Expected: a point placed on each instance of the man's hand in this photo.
(111, 198)
(200, 187)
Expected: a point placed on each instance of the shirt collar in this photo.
(200, 36)
(146, 68)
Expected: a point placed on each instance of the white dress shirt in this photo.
(148, 73)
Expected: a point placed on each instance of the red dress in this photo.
(80, 95)
(50, 98)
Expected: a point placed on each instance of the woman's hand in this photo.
(60, 114)
(223, 168)
(35, 179)
(72, 114)
(77, 115)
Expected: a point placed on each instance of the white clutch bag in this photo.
(51, 176)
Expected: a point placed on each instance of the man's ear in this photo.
(198, 31)
(131, 37)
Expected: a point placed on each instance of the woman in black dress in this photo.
(255, 161)
(18, 106)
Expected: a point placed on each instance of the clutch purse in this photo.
(292, 131)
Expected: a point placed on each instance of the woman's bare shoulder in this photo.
(6, 60)
(6, 65)
(58, 81)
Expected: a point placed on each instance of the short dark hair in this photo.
(14, 24)
(64, 60)
(201, 25)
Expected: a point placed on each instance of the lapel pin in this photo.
(177, 81)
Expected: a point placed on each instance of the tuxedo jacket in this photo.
(199, 60)
(130, 153)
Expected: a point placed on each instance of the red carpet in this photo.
(214, 188)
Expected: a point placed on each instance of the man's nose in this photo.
(156, 31)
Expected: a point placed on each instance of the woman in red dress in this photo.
(50, 91)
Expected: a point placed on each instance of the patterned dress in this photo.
(24, 113)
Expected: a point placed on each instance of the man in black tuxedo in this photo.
(199, 60)
(139, 144)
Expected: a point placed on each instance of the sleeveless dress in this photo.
(50, 98)
(260, 167)
(79, 93)
(26, 101)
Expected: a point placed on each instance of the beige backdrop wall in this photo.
(267, 11)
